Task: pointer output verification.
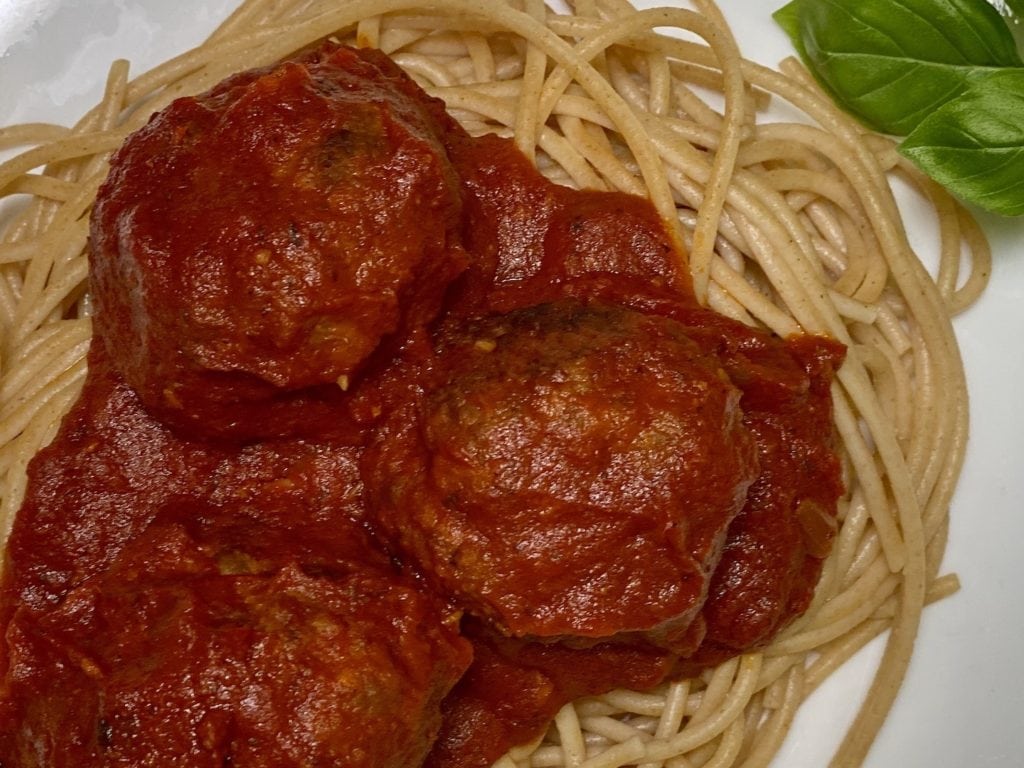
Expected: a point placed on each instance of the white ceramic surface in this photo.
(963, 702)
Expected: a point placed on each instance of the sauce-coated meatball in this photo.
(230, 643)
(263, 239)
(569, 470)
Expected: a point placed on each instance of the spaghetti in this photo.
(789, 226)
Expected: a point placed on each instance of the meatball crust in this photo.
(263, 239)
(567, 470)
(229, 644)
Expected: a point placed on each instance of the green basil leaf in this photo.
(893, 62)
(974, 145)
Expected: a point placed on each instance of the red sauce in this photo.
(543, 449)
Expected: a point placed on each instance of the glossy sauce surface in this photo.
(549, 439)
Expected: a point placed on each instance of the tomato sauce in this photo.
(415, 515)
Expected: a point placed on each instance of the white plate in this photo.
(963, 703)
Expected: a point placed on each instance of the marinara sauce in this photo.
(469, 451)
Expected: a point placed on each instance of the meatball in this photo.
(224, 643)
(569, 470)
(252, 247)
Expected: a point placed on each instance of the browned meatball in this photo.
(570, 470)
(263, 239)
(228, 643)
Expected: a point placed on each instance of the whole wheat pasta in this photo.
(791, 226)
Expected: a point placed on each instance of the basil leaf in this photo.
(974, 145)
(893, 62)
